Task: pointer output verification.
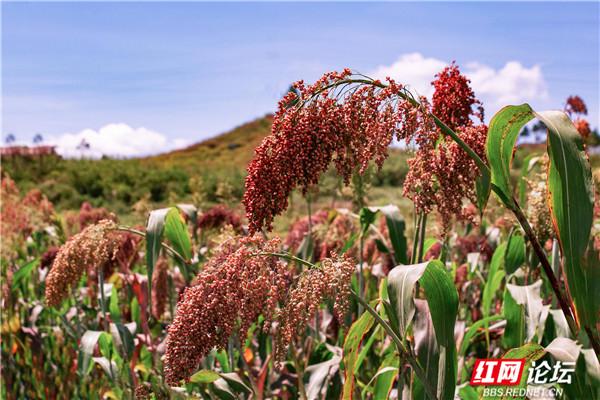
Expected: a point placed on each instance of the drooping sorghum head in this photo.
(575, 105)
(160, 287)
(235, 286)
(336, 120)
(92, 248)
(219, 216)
(453, 99)
(441, 176)
(331, 279)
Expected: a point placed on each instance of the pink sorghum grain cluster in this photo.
(331, 121)
(233, 289)
(92, 248)
(20, 216)
(331, 279)
(219, 216)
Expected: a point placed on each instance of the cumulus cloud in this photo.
(513, 83)
(412, 69)
(116, 140)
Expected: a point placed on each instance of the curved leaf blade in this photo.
(177, 233)
(503, 131)
(571, 196)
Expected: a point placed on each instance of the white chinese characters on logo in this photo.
(543, 373)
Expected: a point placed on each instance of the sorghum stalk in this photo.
(422, 238)
(402, 350)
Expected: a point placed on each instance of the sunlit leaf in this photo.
(177, 233)
(204, 376)
(503, 131)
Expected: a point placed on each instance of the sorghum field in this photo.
(353, 295)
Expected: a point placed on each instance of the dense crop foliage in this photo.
(495, 257)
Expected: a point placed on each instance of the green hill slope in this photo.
(230, 150)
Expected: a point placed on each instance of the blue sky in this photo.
(138, 78)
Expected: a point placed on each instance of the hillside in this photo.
(230, 150)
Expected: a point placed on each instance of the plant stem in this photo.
(361, 278)
(104, 314)
(421, 238)
(539, 251)
(400, 346)
(413, 256)
(102, 298)
(299, 373)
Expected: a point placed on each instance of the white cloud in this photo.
(117, 140)
(511, 84)
(414, 70)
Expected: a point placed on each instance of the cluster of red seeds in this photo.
(575, 105)
(233, 289)
(330, 280)
(576, 108)
(219, 216)
(333, 120)
(442, 175)
(453, 99)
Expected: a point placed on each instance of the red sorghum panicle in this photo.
(331, 279)
(442, 175)
(235, 286)
(453, 99)
(575, 105)
(92, 248)
(219, 216)
(160, 287)
(583, 127)
(349, 125)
